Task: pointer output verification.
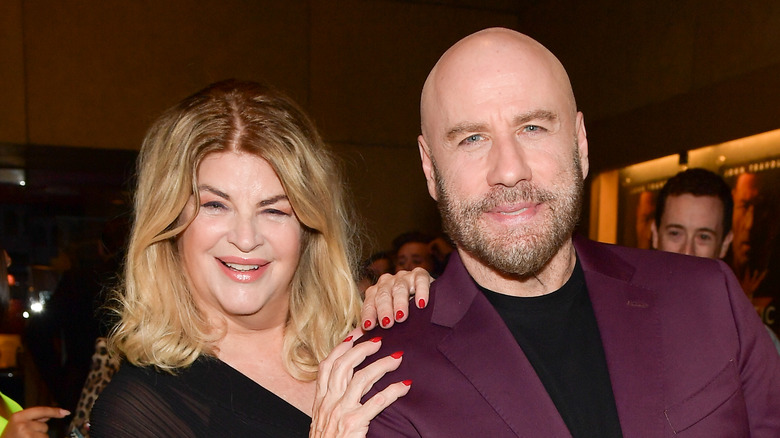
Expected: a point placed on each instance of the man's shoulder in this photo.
(601, 255)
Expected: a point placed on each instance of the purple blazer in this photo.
(686, 352)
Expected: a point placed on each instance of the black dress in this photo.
(209, 399)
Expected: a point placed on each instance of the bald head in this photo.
(488, 59)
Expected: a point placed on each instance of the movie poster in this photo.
(755, 251)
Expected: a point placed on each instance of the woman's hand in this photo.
(31, 422)
(337, 408)
(388, 300)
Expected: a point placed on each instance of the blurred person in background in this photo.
(16, 422)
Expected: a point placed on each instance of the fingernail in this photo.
(367, 324)
(407, 382)
(397, 354)
(385, 321)
(349, 338)
(421, 303)
(399, 315)
(376, 339)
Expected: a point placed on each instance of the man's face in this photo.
(505, 154)
(518, 229)
(645, 211)
(413, 255)
(754, 225)
(692, 225)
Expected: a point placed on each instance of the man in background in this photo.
(693, 217)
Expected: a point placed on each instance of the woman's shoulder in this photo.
(141, 401)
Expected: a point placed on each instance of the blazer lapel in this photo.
(483, 349)
(630, 329)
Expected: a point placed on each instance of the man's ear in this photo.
(724, 246)
(654, 234)
(582, 144)
(427, 165)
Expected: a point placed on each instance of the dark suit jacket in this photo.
(686, 353)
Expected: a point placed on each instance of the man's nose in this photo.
(689, 248)
(507, 161)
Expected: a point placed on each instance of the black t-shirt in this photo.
(559, 335)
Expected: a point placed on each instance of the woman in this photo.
(238, 279)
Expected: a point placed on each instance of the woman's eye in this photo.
(213, 205)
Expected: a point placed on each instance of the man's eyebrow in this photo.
(460, 128)
(535, 115)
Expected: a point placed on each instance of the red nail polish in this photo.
(376, 339)
(385, 321)
(399, 314)
(397, 354)
(349, 338)
(367, 324)
(407, 382)
(421, 303)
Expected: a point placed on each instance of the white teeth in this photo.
(241, 267)
(514, 213)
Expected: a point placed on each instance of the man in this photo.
(693, 215)
(645, 210)
(756, 228)
(413, 250)
(532, 333)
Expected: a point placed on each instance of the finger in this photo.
(422, 287)
(382, 303)
(339, 373)
(345, 413)
(403, 288)
(325, 366)
(400, 289)
(364, 379)
(355, 422)
(368, 311)
(377, 403)
(39, 413)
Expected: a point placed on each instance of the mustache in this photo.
(523, 192)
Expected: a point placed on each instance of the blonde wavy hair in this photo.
(159, 324)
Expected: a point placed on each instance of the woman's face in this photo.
(241, 250)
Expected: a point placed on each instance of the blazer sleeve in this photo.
(758, 362)
(391, 423)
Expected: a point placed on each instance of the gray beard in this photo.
(522, 251)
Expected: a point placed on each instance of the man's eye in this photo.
(705, 237)
(474, 138)
(533, 128)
